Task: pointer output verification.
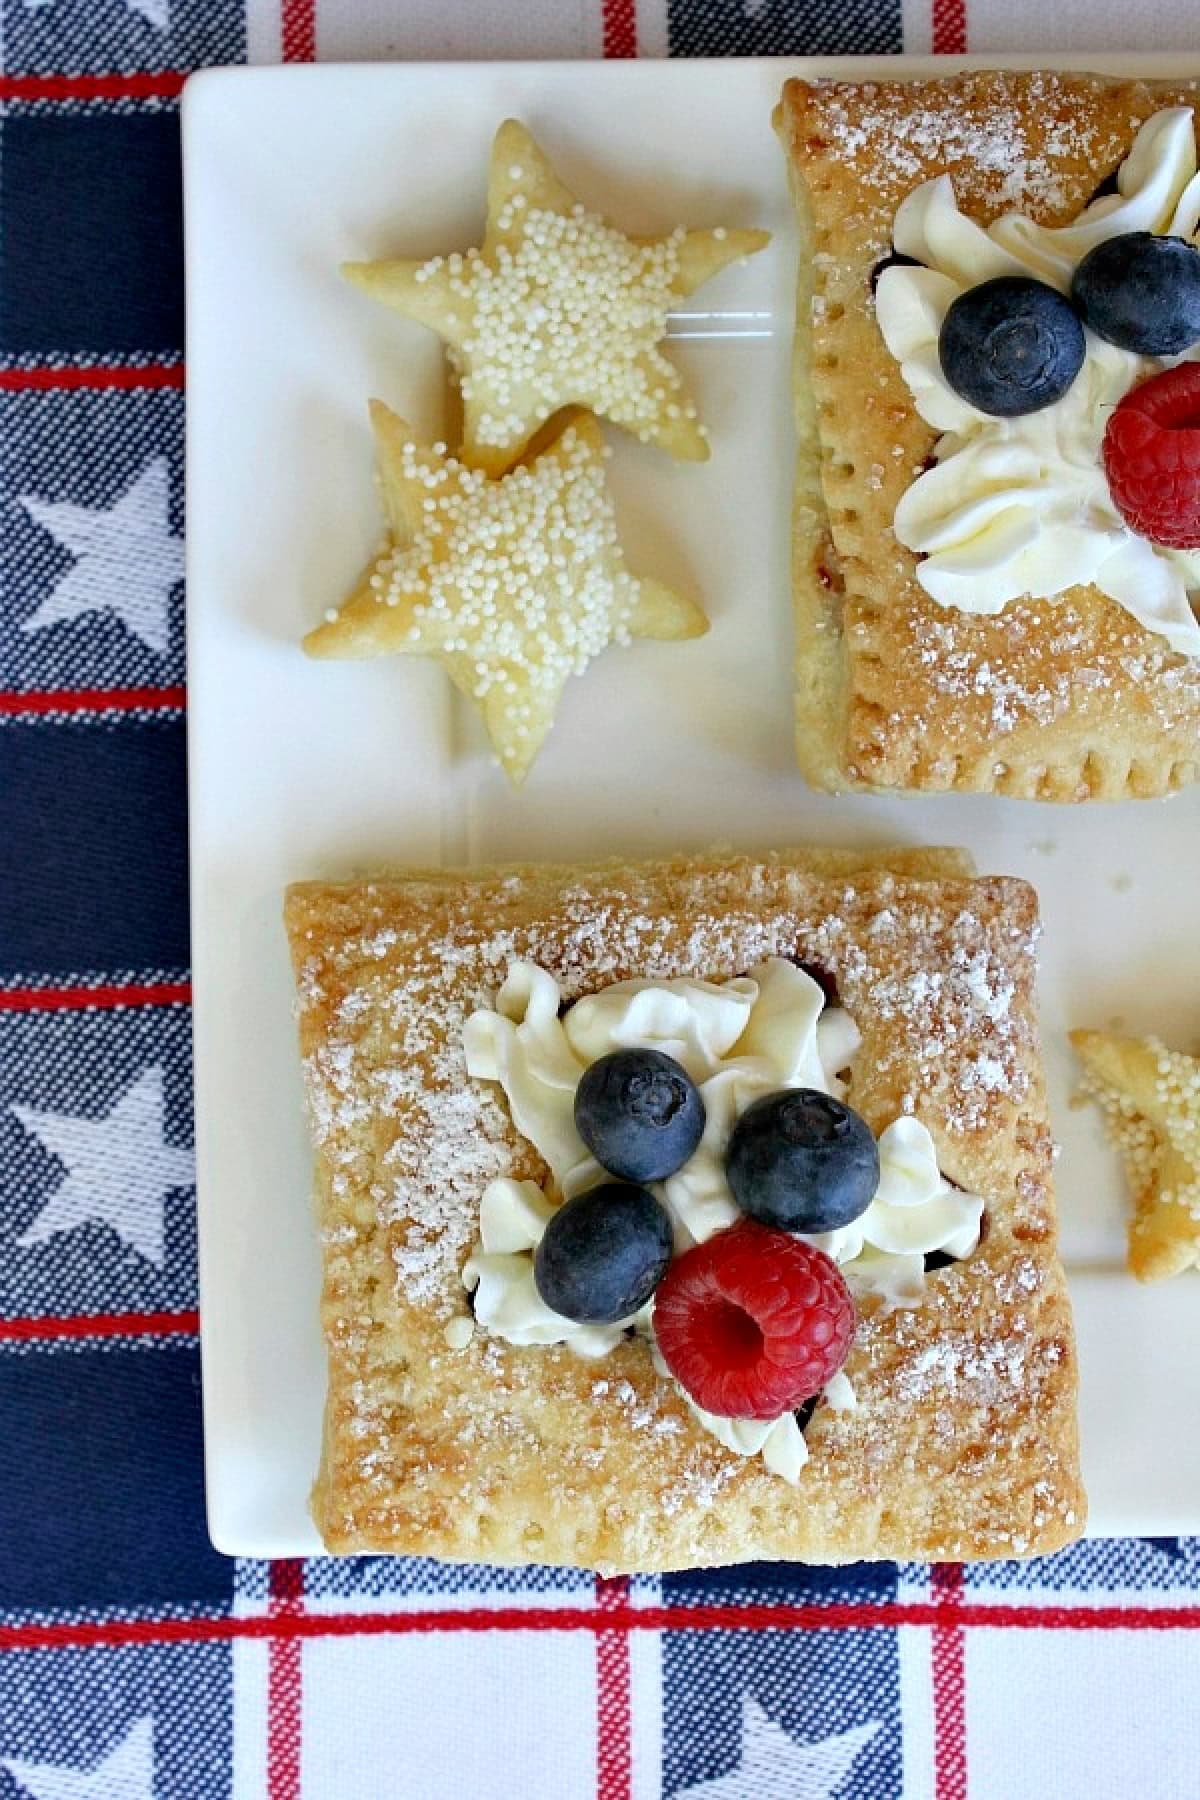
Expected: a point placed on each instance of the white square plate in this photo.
(303, 769)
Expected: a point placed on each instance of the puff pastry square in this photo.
(963, 1443)
(1068, 699)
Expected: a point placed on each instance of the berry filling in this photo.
(824, 978)
(803, 1414)
(1152, 458)
(895, 259)
(1102, 189)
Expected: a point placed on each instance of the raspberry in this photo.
(1152, 457)
(753, 1322)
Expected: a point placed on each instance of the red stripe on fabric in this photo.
(163, 84)
(94, 376)
(949, 1685)
(37, 701)
(614, 1705)
(83, 999)
(89, 1325)
(300, 31)
(620, 27)
(848, 1617)
(949, 27)
(285, 1591)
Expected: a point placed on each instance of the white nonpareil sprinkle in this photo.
(568, 308)
(522, 576)
(1142, 1146)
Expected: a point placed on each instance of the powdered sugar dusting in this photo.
(948, 993)
(1016, 150)
(1052, 664)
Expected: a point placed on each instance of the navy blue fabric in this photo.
(784, 27)
(93, 234)
(101, 1500)
(754, 1583)
(95, 820)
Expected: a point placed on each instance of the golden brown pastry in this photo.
(1063, 697)
(443, 1439)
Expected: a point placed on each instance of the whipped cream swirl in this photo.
(738, 1040)
(1021, 507)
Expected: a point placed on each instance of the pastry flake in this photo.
(1150, 1098)
(445, 1441)
(514, 585)
(1068, 697)
(557, 308)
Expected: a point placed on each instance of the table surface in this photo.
(135, 1660)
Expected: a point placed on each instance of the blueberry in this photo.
(802, 1161)
(639, 1114)
(1011, 346)
(603, 1253)
(1141, 292)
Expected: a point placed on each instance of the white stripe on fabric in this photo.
(475, 30)
(652, 31)
(646, 1705)
(918, 26)
(914, 1645)
(264, 31)
(1086, 25)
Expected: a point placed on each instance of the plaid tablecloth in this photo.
(135, 1661)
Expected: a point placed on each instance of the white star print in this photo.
(119, 1169)
(127, 1772)
(155, 12)
(775, 1767)
(126, 563)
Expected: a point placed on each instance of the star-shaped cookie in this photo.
(557, 308)
(514, 584)
(1151, 1102)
